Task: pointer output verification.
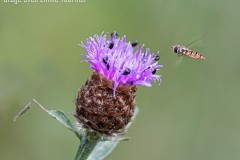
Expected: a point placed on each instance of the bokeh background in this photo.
(193, 115)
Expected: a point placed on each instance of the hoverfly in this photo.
(185, 51)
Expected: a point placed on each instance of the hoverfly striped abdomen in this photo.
(184, 51)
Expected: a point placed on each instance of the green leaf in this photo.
(104, 148)
(59, 115)
(62, 118)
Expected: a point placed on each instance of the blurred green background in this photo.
(193, 115)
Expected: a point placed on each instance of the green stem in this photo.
(88, 142)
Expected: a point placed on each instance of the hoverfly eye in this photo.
(175, 49)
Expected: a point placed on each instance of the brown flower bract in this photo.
(97, 109)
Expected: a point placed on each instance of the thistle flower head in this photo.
(106, 102)
(116, 60)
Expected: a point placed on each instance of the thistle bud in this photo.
(97, 109)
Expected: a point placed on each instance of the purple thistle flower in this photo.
(116, 60)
